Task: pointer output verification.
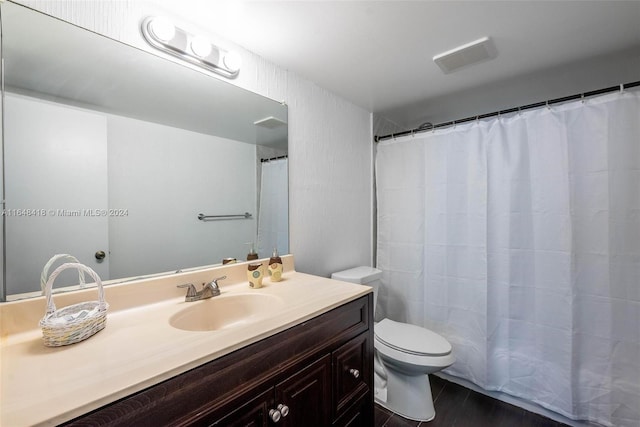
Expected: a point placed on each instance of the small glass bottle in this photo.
(252, 252)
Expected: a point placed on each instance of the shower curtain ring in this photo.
(547, 103)
(621, 88)
(582, 98)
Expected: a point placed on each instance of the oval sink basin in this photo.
(225, 311)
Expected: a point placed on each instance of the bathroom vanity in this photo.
(320, 371)
(308, 361)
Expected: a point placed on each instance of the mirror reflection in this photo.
(109, 150)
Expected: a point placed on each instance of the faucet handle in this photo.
(213, 287)
(191, 292)
(214, 282)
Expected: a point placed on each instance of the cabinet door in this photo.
(43, 140)
(351, 373)
(307, 395)
(254, 413)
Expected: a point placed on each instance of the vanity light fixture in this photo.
(200, 46)
(162, 29)
(160, 33)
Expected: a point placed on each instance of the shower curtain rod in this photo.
(273, 158)
(510, 110)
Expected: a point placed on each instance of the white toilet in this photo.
(405, 355)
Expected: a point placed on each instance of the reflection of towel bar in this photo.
(203, 217)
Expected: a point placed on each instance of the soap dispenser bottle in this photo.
(252, 252)
(255, 274)
(275, 266)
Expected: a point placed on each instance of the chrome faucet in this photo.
(209, 290)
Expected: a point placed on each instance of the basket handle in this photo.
(47, 266)
(51, 307)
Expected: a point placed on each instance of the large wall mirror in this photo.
(110, 149)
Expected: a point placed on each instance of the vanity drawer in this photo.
(351, 373)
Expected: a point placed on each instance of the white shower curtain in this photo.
(518, 239)
(273, 216)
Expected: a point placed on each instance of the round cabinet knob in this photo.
(275, 415)
(354, 373)
(100, 255)
(284, 410)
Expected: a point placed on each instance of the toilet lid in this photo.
(411, 339)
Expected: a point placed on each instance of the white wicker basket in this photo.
(76, 322)
(45, 271)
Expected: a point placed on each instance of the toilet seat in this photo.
(411, 339)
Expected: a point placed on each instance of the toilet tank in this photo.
(368, 276)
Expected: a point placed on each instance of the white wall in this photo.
(536, 86)
(330, 148)
(221, 181)
(70, 161)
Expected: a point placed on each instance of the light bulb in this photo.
(232, 61)
(162, 29)
(200, 46)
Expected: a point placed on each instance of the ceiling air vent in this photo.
(463, 56)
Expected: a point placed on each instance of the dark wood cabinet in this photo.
(300, 400)
(254, 413)
(307, 395)
(352, 363)
(317, 373)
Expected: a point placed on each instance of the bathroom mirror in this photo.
(111, 153)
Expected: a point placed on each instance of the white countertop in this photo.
(138, 348)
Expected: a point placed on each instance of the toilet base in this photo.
(407, 396)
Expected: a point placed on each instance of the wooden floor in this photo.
(457, 406)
